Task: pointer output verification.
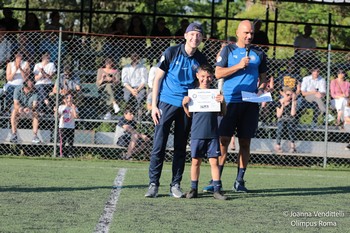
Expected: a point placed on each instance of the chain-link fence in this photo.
(97, 72)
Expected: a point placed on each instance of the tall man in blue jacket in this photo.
(174, 76)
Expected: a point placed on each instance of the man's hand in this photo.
(156, 114)
(244, 62)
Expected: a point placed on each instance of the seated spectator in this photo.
(289, 78)
(267, 107)
(340, 93)
(313, 88)
(17, 72)
(286, 112)
(68, 112)
(151, 76)
(50, 44)
(134, 79)
(67, 83)
(130, 138)
(347, 120)
(44, 72)
(107, 81)
(24, 105)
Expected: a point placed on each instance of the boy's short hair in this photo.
(206, 67)
(128, 110)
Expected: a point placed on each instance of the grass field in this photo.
(57, 195)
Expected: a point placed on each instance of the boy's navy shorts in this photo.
(202, 148)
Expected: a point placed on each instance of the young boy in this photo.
(131, 139)
(204, 140)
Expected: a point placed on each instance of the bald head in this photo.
(245, 33)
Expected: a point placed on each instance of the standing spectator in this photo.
(114, 45)
(67, 112)
(159, 44)
(5, 49)
(134, 79)
(10, 23)
(137, 28)
(242, 66)
(30, 38)
(313, 88)
(17, 72)
(24, 105)
(54, 24)
(181, 31)
(260, 37)
(340, 94)
(175, 75)
(108, 79)
(44, 72)
(304, 49)
(286, 112)
(130, 138)
(205, 137)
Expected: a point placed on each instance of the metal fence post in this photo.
(57, 92)
(327, 105)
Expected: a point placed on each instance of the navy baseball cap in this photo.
(194, 27)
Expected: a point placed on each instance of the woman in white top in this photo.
(17, 72)
(43, 73)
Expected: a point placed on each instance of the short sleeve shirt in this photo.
(25, 99)
(180, 73)
(244, 79)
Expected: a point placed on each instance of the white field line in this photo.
(110, 207)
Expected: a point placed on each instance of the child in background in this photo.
(286, 111)
(68, 112)
(347, 120)
(130, 137)
(205, 140)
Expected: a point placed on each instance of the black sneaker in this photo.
(239, 186)
(219, 196)
(193, 193)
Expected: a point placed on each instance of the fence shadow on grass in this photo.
(64, 189)
(298, 191)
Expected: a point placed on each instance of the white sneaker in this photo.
(108, 116)
(116, 108)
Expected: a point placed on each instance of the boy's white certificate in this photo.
(203, 100)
